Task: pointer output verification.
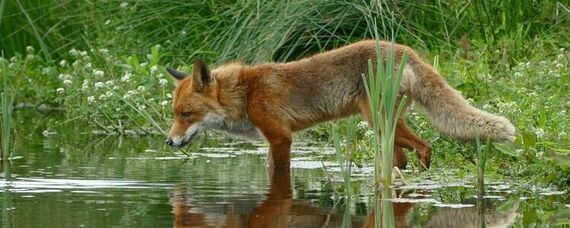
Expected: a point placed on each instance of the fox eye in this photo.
(185, 114)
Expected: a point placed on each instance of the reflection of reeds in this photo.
(6, 116)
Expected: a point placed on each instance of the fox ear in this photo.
(201, 75)
(178, 75)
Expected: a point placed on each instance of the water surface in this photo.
(68, 177)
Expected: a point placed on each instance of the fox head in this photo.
(195, 104)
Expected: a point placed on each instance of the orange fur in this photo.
(276, 99)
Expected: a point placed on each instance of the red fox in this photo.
(274, 100)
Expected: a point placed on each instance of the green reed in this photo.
(6, 115)
(382, 87)
(481, 162)
(344, 150)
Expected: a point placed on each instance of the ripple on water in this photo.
(40, 185)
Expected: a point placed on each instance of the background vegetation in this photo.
(102, 62)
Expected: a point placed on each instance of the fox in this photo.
(274, 100)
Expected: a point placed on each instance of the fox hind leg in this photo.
(400, 158)
(407, 139)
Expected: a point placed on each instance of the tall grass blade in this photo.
(35, 29)
(6, 116)
(2, 5)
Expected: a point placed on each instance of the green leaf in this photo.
(529, 139)
(508, 149)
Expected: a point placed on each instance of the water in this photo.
(64, 177)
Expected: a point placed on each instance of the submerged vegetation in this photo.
(103, 63)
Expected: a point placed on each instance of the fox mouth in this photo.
(187, 141)
(184, 142)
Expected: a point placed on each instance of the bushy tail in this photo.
(449, 111)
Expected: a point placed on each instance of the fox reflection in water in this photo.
(279, 209)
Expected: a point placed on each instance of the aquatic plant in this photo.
(6, 116)
(345, 149)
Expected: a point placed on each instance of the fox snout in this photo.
(181, 134)
(176, 143)
(169, 141)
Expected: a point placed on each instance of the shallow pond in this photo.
(65, 177)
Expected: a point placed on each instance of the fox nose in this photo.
(169, 141)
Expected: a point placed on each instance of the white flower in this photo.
(63, 63)
(162, 82)
(45, 70)
(153, 69)
(83, 53)
(107, 22)
(126, 77)
(362, 125)
(99, 85)
(60, 90)
(369, 134)
(539, 132)
(109, 83)
(73, 52)
(124, 5)
(104, 51)
(85, 85)
(169, 95)
(91, 99)
(30, 49)
(164, 103)
(76, 64)
(144, 64)
(141, 88)
(109, 94)
(98, 73)
(67, 82)
(130, 93)
(115, 87)
(88, 66)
